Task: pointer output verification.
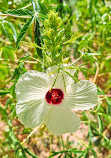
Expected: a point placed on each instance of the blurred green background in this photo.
(90, 21)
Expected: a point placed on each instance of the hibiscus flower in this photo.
(50, 98)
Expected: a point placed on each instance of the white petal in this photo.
(61, 120)
(81, 96)
(32, 113)
(32, 85)
(63, 80)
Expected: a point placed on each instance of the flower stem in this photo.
(77, 59)
(30, 135)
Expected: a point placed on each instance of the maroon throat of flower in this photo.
(54, 96)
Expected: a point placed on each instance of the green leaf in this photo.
(35, 5)
(80, 155)
(66, 151)
(100, 124)
(90, 6)
(20, 12)
(103, 2)
(46, 59)
(8, 52)
(37, 38)
(31, 154)
(3, 113)
(71, 76)
(92, 58)
(2, 92)
(42, 16)
(84, 72)
(42, 8)
(20, 153)
(72, 39)
(70, 150)
(69, 155)
(85, 69)
(94, 153)
(104, 115)
(97, 141)
(24, 154)
(90, 134)
(60, 156)
(108, 100)
(6, 25)
(53, 155)
(86, 155)
(75, 151)
(23, 31)
(93, 53)
(3, 26)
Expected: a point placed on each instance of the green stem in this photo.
(35, 5)
(62, 143)
(77, 59)
(36, 59)
(33, 155)
(55, 80)
(71, 76)
(30, 135)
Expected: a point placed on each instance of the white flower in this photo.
(49, 97)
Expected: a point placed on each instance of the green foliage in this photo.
(4, 92)
(37, 36)
(9, 33)
(20, 12)
(23, 31)
(53, 37)
(56, 32)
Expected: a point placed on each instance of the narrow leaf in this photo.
(100, 124)
(108, 100)
(105, 116)
(80, 155)
(20, 12)
(103, 2)
(70, 156)
(70, 150)
(85, 69)
(2, 92)
(31, 154)
(42, 16)
(71, 76)
(72, 39)
(37, 38)
(93, 53)
(97, 141)
(23, 31)
(6, 24)
(94, 153)
(92, 58)
(75, 151)
(42, 8)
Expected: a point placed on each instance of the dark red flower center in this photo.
(54, 96)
